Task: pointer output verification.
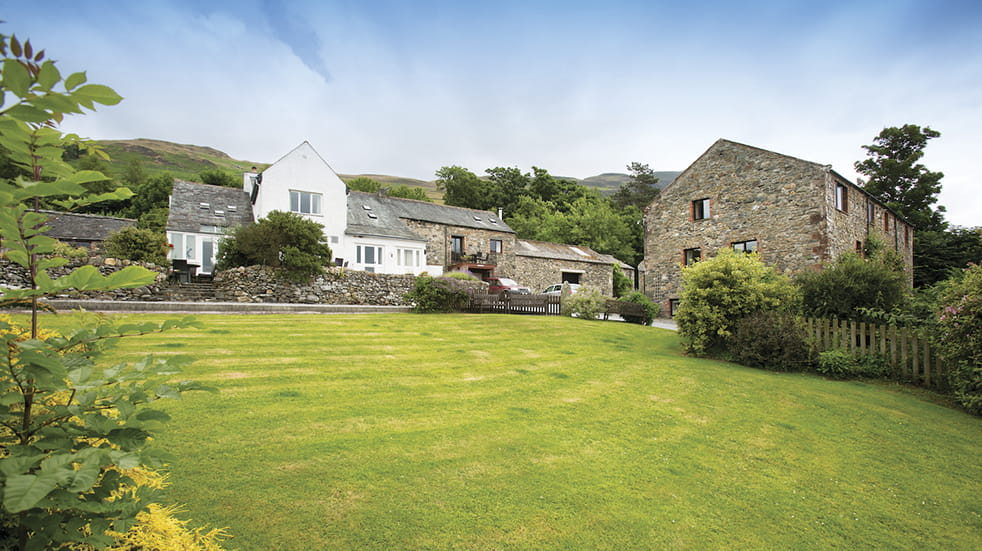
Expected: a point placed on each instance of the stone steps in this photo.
(198, 291)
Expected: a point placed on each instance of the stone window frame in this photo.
(496, 246)
(841, 198)
(744, 249)
(691, 256)
(701, 207)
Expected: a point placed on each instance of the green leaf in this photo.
(28, 113)
(12, 466)
(16, 77)
(97, 93)
(25, 491)
(74, 80)
(48, 76)
(128, 438)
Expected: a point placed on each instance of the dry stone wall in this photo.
(15, 276)
(334, 286)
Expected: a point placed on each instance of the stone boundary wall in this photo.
(15, 276)
(334, 286)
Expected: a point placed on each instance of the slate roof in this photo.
(69, 226)
(411, 209)
(370, 214)
(194, 205)
(559, 251)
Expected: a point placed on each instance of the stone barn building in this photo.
(797, 214)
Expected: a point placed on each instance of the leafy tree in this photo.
(133, 175)
(507, 185)
(71, 429)
(640, 190)
(282, 240)
(154, 219)
(462, 188)
(139, 244)
(896, 177)
(717, 292)
(406, 192)
(153, 194)
(364, 183)
(218, 177)
(938, 253)
(622, 284)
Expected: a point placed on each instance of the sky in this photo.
(577, 88)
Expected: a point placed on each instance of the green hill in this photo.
(185, 162)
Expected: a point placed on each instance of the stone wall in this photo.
(539, 273)
(786, 204)
(15, 276)
(335, 286)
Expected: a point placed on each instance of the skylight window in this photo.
(372, 215)
(204, 205)
(219, 213)
(366, 207)
(579, 252)
(232, 208)
(477, 218)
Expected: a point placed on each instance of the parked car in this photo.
(505, 286)
(557, 289)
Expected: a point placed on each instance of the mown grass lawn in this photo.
(511, 432)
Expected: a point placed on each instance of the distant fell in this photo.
(185, 162)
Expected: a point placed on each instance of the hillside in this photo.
(185, 162)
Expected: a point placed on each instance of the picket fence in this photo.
(907, 351)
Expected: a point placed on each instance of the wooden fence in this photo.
(542, 305)
(906, 350)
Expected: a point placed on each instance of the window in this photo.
(177, 242)
(870, 212)
(571, 277)
(700, 209)
(496, 245)
(841, 197)
(407, 257)
(304, 202)
(457, 244)
(886, 221)
(368, 255)
(691, 256)
(745, 246)
(673, 306)
(859, 248)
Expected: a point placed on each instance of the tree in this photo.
(938, 253)
(462, 188)
(217, 177)
(282, 240)
(959, 337)
(897, 179)
(406, 192)
(71, 429)
(152, 194)
(364, 183)
(640, 190)
(853, 286)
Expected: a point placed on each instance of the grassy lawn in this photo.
(511, 432)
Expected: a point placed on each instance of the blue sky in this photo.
(577, 88)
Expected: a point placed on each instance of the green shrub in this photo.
(67, 251)
(843, 289)
(438, 294)
(463, 276)
(959, 336)
(777, 341)
(138, 244)
(838, 364)
(719, 291)
(585, 304)
(282, 240)
(650, 309)
(622, 284)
